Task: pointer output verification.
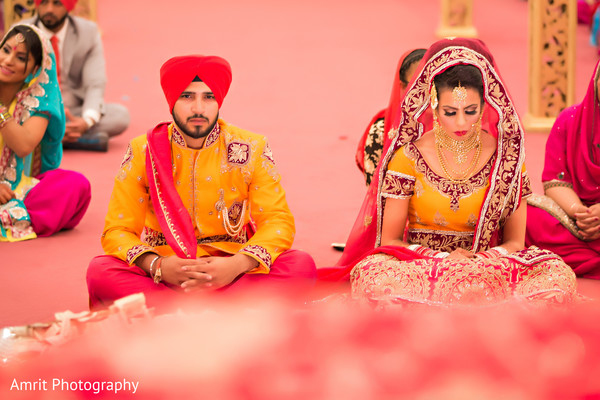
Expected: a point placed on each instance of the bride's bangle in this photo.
(501, 250)
(494, 252)
(427, 252)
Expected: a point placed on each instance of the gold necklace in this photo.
(460, 148)
(457, 177)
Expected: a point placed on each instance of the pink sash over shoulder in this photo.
(173, 217)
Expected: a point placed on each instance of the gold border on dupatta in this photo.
(163, 206)
(501, 199)
(551, 207)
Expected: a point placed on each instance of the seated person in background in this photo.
(567, 219)
(82, 75)
(461, 186)
(376, 136)
(36, 198)
(198, 204)
(372, 142)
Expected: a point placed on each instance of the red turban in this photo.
(69, 4)
(178, 72)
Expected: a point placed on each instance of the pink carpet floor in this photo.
(307, 74)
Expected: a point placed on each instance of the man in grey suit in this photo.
(82, 75)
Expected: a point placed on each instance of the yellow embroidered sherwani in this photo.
(234, 173)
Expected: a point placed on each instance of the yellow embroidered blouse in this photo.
(233, 176)
(442, 214)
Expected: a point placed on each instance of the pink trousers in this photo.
(58, 201)
(108, 278)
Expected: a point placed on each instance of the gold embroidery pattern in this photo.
(8, 166)
(268, 154)
(548, 281)
(397, 185)
(213, 136)
(220, 204)
(455, 191)
(440, 240)
(473, 282)
(246, 167)
(551, 207)
(526, 185)
(165, 210)
(419, 189)
(532, 255)
(152, 237)
(235, 211)
(136, 251)
(176, 136)
(232, 216)
(27, 99)
(502, 198)
(269, 162)
(240, 239)
(373, 148)
(439, 219)
(259, 252)
(127, 157)
(14, 217)
(238, 153)
(472, 221)
(556, 183)
(126, 164)
(381, 275)
(155, 238)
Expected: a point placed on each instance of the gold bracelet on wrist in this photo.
(152, 266)
(158, 274)
(572, 209)
(4, 116)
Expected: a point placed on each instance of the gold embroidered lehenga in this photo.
(445, 215)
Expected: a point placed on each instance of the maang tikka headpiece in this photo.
(459, 95)
(19, 38)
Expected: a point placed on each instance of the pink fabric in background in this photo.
(572, 156)
(58, 201)
(545, 231)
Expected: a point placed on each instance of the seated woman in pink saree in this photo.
(444, 220)
(567, 219)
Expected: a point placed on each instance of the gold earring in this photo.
(433, 96)
(477, 125)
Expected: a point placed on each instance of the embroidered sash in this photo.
(173, 217)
